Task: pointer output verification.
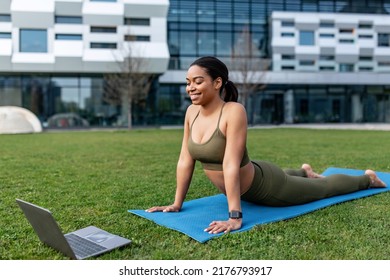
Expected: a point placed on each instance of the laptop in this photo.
(80, 244)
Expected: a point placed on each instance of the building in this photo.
(53, 54)
(344, 59)
(327, 61)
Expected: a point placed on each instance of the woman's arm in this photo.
(184, 172)
(236, 134)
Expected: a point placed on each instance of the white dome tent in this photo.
(15, 120)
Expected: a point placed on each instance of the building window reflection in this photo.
(383, 40)
(5, 18)
(306, 38)
(68, 19)
(33, 40)
(5, 35)
(346, 67)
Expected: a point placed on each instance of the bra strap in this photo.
(195, 119)
(219, 118)
(220, 114)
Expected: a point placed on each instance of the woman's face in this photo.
(200, 86)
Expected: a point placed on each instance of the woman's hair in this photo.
(216, 68)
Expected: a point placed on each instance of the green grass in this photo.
(94, 177)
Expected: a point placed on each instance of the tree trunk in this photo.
(129, 121)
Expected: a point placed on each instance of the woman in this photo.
(215, 132)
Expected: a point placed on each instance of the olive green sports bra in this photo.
(211, 153)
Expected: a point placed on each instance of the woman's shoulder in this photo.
(191, 113)
(192, 109)
(235, 107)
(235, 112)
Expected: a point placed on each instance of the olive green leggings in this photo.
(276, 187)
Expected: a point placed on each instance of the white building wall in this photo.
(348, 38)
(77, 55)
(36, 14)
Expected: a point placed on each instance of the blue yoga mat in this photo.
(196, 214)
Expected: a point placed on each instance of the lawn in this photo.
(93, 177)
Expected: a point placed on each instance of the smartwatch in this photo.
(235, 214)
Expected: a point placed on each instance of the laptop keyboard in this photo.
(83, 247)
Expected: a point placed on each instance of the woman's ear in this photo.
(218, 83)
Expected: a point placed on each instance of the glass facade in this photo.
(53, 97)
(198, 28)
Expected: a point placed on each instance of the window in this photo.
(102, 29)
(365, 69)
(187, 44)
(286, 23)
(287, 34)
(306, 38)
(346, 31)
(5, 18)
(68, 19)
(288, 56)
(309, 5)
(326, 68)
(327, 57)
(223, 43)
(33, 40)
(5, 35)
(205, 43)
(383, 40)
(365, 36)
(72, 37)
(306, 62)
(326, 35)
(346, 41)
(137, 38)
(137, 21)
(365, 25)
(284, 67)
(365, 58)
(346, 67)
(326, 24)
(103, 45)
(293, 5)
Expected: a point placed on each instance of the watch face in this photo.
(235, 215)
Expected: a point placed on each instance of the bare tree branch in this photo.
(249, 68)
(131, 84)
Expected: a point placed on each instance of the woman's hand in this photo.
(170, 208)
(224, 226)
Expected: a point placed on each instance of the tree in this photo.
(131, 83)
(249, 68)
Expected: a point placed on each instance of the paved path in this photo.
(361, 126)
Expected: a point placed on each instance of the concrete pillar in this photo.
(289, 109)
(356, 108)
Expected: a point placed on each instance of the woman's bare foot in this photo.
(310, 173)
(375, 182)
